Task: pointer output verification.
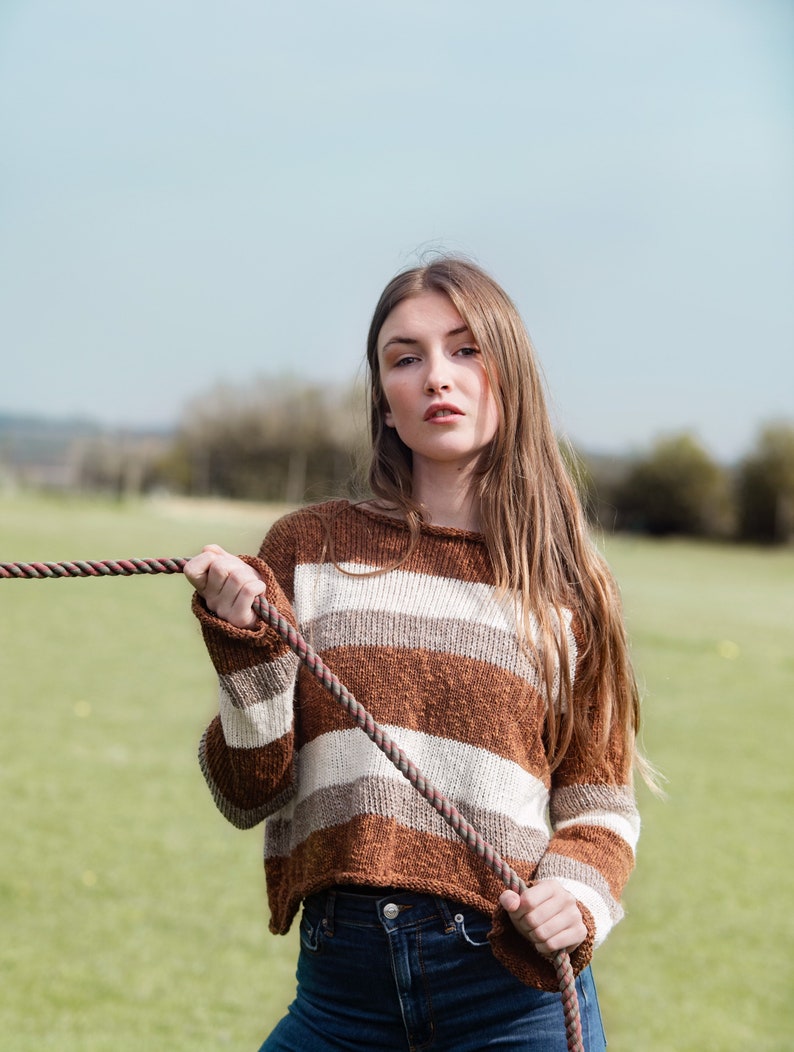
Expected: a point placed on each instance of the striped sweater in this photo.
(431, 652)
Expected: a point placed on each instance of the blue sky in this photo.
(195, 191)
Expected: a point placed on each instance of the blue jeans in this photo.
(406, 973)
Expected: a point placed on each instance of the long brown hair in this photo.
(534, 526)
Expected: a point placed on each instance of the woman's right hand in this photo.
(227, 585)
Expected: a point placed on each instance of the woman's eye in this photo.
(405, 360)
(468, 351)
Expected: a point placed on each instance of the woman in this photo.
(465, 606)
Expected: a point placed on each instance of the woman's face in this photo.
(436, 391)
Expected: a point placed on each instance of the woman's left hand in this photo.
(547, 915)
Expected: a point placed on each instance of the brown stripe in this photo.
(373, 850)
(354, 532)
(231, 773)
(463, 702)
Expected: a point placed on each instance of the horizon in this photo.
(80, 424)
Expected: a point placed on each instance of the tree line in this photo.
(288, 441)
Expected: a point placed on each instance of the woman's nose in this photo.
(436, 379)
(436, 386)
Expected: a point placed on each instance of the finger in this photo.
(230, 592)
(543, 891)
(244, 600)
(226, 573)
(196, 570)
(567, 939)
(564, 930)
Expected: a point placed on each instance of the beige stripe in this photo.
(412, 610)
(248, 686)
(571, 800)
(332, 807)
(448, 636)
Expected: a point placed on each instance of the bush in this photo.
(676, 489)
(765, 488)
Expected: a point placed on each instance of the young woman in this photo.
(465, 607)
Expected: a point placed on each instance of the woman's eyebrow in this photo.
(411, 340)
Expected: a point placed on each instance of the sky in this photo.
(195, 192)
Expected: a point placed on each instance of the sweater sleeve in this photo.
(595, 826)
(247, 752)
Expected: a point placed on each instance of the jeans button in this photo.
(390, 911)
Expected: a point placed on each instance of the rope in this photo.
(314, 663)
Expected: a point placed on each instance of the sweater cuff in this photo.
(520, 957)
(225, 641)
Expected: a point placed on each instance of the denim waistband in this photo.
(383, 907)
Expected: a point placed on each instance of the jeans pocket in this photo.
(312, 929)
(473, 927)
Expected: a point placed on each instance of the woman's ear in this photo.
(379, 404)
(388, 418)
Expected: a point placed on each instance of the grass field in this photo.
(133, 916)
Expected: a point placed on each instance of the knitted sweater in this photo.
(428, 649)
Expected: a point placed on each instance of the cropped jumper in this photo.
(431, 651)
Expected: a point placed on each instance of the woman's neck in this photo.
(448, 500)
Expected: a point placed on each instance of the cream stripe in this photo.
(323, 589)
(475, 777)
(258, 724)
(627, 830)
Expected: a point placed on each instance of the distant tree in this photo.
(676, 489)
(765, 487)
(277, 439)
(119, 464)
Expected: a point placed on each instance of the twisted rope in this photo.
(314, 663)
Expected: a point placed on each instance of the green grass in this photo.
(133, 916)
(703, 961)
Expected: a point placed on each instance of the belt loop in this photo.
(328, 919)
(446, 914)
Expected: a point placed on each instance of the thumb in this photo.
(509, 900)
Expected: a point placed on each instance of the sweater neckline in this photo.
(430, 528)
